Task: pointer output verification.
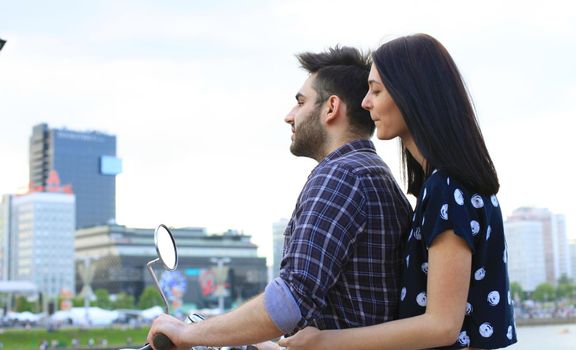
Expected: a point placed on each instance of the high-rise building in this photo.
(278, 229)
(526, 259)
(85, 160)
(41, 238)
(5, 262)
(533, 233)
(572, 249)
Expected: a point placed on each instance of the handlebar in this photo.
(162, 342)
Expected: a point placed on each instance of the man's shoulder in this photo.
(361, 164)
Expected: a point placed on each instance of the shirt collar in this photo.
(353, 146)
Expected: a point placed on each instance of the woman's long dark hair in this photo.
(427, 87)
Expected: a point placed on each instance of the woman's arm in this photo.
(449, 266)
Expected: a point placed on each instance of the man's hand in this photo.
(171, 327)
(309, 338)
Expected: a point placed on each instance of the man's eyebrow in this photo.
(299, 96)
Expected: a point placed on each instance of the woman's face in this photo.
(383, 110)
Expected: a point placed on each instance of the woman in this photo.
(455, 289)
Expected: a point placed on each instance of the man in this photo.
(341, 259)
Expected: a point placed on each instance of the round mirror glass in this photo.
(166, 247)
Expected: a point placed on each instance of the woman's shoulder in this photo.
(440, 183)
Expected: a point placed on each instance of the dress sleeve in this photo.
(449, 206)
(331, 214)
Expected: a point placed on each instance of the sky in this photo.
(197, 91)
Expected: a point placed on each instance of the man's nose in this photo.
(289, 118)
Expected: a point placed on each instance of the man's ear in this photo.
(334, 108)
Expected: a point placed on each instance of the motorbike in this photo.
(168, 258)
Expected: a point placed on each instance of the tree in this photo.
(22, 304)
(150, 297)
(102, 298)
(123, 301)
(565, 289)
(544, 292)
(78, 301)
(565, 279)
(517, 291)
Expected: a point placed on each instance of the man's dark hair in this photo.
(427, 87)
(342, 71)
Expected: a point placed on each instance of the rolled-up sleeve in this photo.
(325, 227)
(281, 306)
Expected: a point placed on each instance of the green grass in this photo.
(30, 339)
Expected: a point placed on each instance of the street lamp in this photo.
(86, 272)
(221, 274)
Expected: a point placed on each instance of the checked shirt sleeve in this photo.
(328, 218)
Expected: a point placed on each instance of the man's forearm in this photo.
(247, 324)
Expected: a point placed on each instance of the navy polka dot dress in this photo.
(444, 204)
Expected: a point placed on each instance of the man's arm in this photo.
(247, 324)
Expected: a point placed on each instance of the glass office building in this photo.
(85, 160)
(118, 256)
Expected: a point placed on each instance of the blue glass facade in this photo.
(85, 160)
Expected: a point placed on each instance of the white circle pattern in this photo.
(444, 212)
(459, 196)
(493, 298)
(509, 334)
(421, 299)
(417, 234)
(477, 201)
(464, 339)
(480, 274)
(469, 309)
(486, 330)
(475, 227)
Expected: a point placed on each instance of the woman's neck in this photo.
(415, 152)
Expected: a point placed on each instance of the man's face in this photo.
(308, 134)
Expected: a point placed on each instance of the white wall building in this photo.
(572, 250)
(525, 254)
(5, 237)
(42, 226)
(537, 240)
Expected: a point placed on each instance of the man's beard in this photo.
(309, 137)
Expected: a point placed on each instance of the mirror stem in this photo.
(149, 266)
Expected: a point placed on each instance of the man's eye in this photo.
(300, 103)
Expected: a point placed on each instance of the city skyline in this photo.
(196, 94)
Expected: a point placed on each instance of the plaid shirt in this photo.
(342, 247)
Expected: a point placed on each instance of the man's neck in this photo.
(337, 143)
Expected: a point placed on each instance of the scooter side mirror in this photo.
(166, 247)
